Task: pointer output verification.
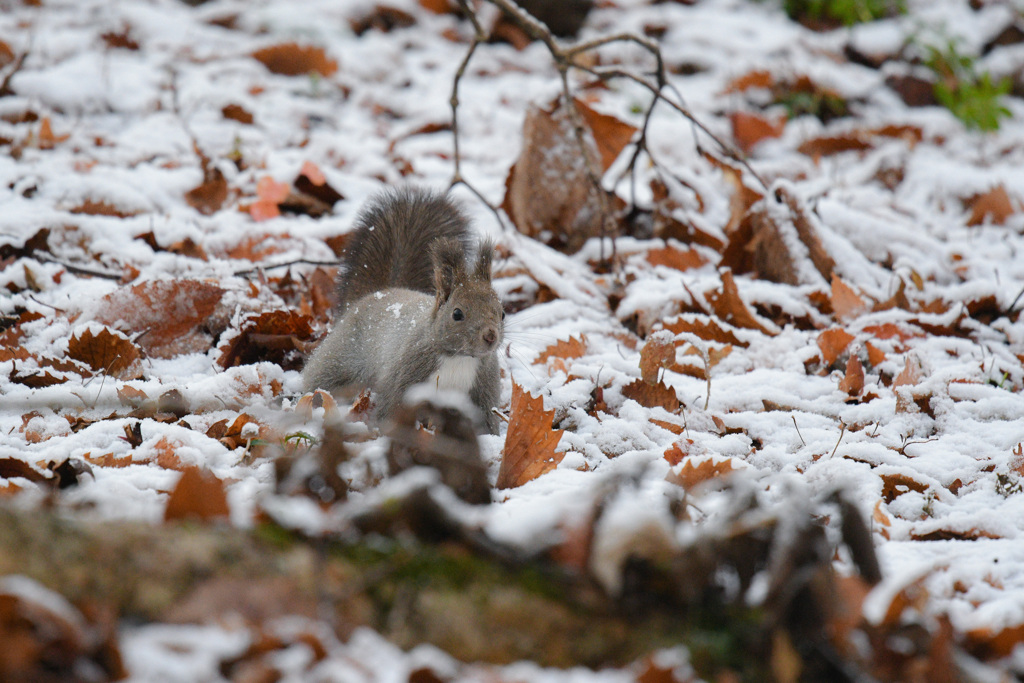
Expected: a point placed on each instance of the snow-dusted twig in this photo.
(286, 264)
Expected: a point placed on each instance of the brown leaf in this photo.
(172, 313)
(237, 112)
(846, 303)
(548, 193)
(107, 352)
(875, 356)
(610, 134)
(659, 351)
(835, 144)
(896, 484)
(198, 494)
(280, 337)
(832, 342)
(704, 328)
(729, 305)
(652, 395)
(759, 78)
(290, 59)
(680, 259)
(749, 129)
(678, 451)
(698, 469)
(853, 382)
(993, 207)
(101, 208)
(989, 643)
(12, 467)
(209, 196)
(530, 442)
(573, 347)
(911, 373)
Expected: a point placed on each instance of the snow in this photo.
(131, 118)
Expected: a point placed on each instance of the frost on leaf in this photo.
(994, 206)
(106, 352)
(658, 352)
(530, 442)
(610, 134)
(198, 494)
(573, 347)
(549, 195)
(846, 303)
(171, 313)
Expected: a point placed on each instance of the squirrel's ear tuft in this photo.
(449, 262)
(482, 269)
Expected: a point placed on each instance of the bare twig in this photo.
(296, 262)
(802, 442)
(842, 431)
(71, 268)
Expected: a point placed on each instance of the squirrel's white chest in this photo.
(455, 373)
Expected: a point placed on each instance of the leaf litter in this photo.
(860, 317)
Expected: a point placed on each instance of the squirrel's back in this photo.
(390, 246)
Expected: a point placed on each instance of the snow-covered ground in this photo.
(119, 105)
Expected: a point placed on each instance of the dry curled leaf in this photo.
(280, 337)
(846, 303)
(659, 351)
(530, 442)
(994, 207)
(672, 257)
(729, 305)
(610, 134)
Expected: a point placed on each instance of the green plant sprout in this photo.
(972, 97)
(845, 12)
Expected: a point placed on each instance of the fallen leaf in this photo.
(705, 328)
(652, 395)
(610, 134)
(573, 347)
(832, 342)
(699, 469)
(237, 112)
(875, 356)
(92, 207)
(281, 337)
(758, 78)
(993, 207)
(671, 257)
(658, 352)
(834, 144)
(678, 451)
(107, 352)
(198, 494)
(896, 484)
(12, 467)
(530, 442)
(209, 196)
(749, 129)
(853, 382)
(729, 305)
(171, 313)
(290, 59)
(846, 303)
(988, 643)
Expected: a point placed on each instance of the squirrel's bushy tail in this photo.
(391, 243)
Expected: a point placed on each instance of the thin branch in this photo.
(802, 442)
(842, 431)
(77, 270)
(286, 264)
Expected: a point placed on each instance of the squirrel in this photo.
(412, 307)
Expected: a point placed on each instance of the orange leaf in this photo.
(845, 302)
(530, 442)
(875, 355)
(313, 172)
(264, 210)
(566, 348)
(678, 451)
(991, 644)
(652, 395)
(832, 343)
(708, 330)
(610, 134)
(853, 382)
(697, 470)
(729, 305)
(896, 484)
(758, 78)
(198, 494)
(911, 373)
(268, 189)
(994, 206)
(680, 259)
(290, 59)
(749, 129)
(108, 352)
(659, 352)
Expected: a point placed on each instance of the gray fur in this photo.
(405, 275)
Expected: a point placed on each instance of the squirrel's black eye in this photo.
(457, 314)
(503, 315)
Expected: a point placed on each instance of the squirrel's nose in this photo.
(490, 336)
